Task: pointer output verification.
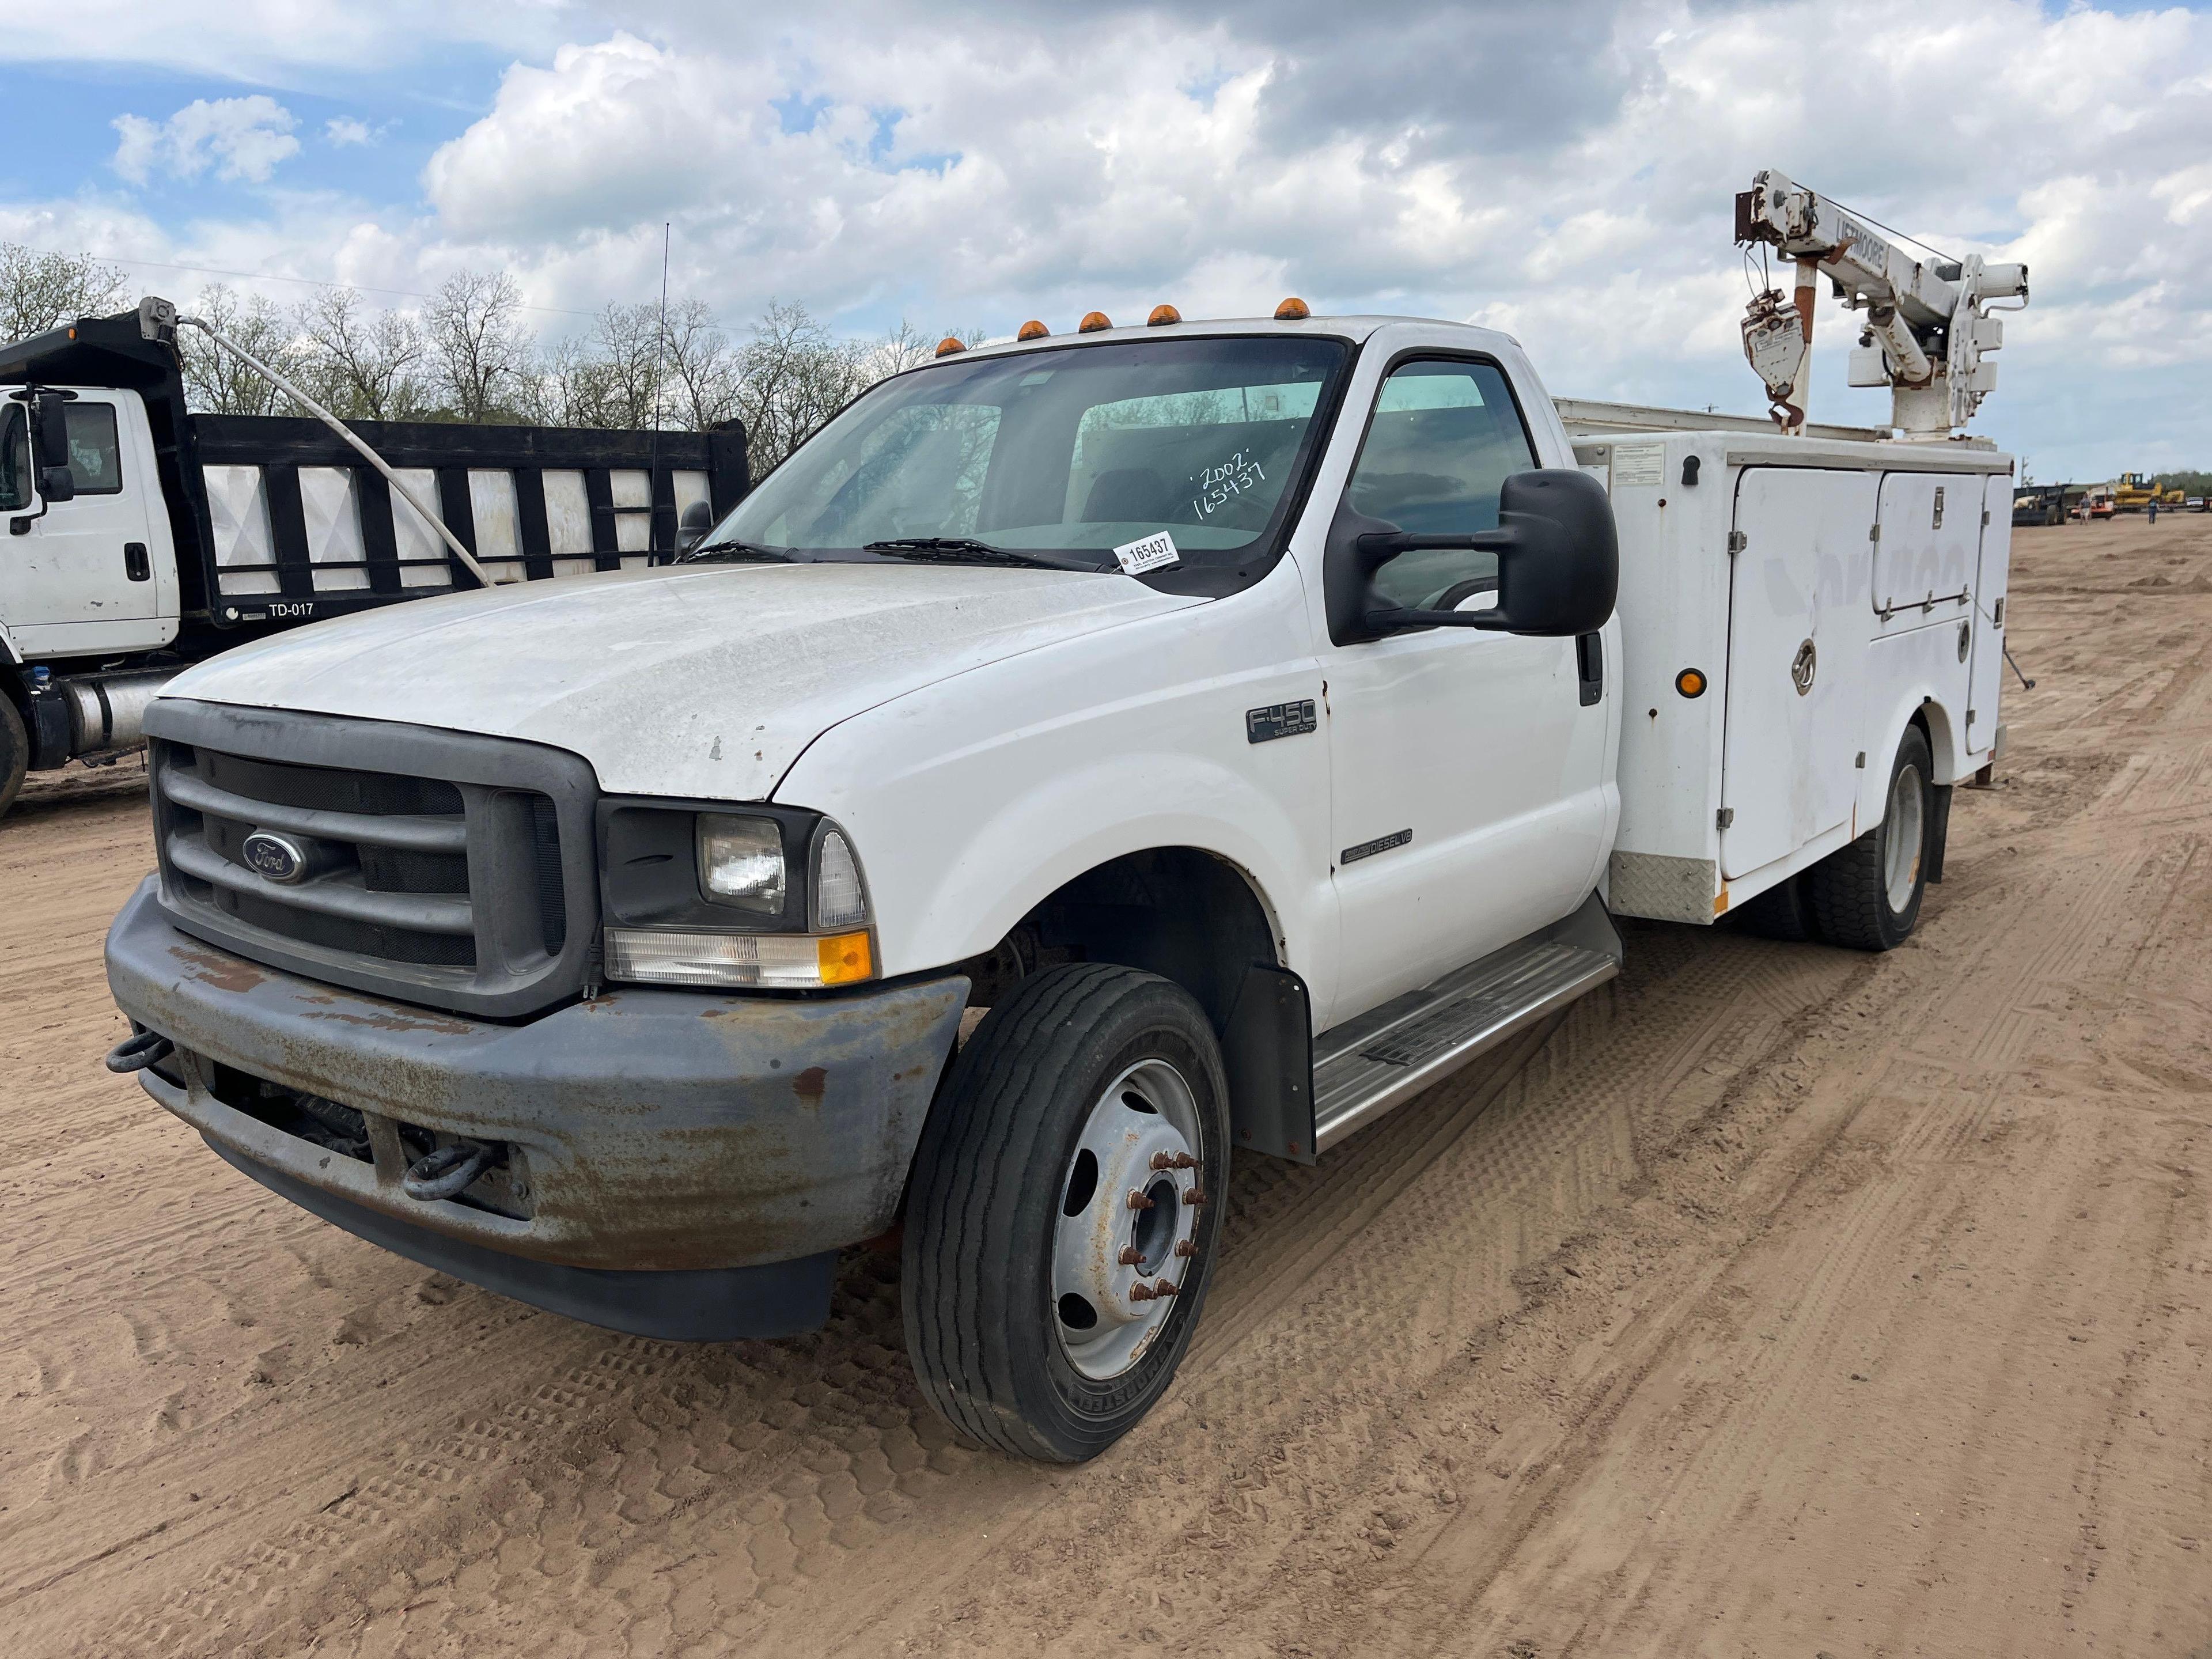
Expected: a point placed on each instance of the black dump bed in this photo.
(277, 521)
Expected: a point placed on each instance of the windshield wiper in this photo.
(736, 552)
(961, 549)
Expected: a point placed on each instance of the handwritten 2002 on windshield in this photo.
(1219, 485)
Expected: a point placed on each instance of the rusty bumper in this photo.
(652, 1131)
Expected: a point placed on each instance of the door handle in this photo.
(1590, 667)
(136, 565)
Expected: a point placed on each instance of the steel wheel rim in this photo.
(1142, 1138)
(1903, 832)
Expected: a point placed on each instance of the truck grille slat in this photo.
(459, 889)
(332, 896)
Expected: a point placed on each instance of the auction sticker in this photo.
(1146, 553)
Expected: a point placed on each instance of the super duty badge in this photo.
(1280, 719)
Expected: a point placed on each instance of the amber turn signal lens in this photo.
(1162, 314)
(948, 345)
(844, 958)
(1690, 682)
(1093, 321)
(1292, 310)
(1032, 329)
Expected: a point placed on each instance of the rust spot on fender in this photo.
(809, 1085)
(224, 973)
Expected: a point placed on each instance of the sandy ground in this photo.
(1781, 1301)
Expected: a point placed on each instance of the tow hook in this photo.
(447, 1170)
(138, 1051)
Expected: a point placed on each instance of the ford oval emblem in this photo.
(278, 858)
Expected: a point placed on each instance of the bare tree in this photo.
(794, 375)
(480, 352)
(38, 291)
(628, 353)
(704, 375)
(364, 365)
(215, 381)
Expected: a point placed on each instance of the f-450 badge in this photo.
(1279, 720)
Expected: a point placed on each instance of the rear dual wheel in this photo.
(15, 754)
(1061, 1226)
(1866, 895)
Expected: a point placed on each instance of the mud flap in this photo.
(1267, 1046)
(1939, 831)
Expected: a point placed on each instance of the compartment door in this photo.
(1932, 534)
(1986, 685)
(1797, 642)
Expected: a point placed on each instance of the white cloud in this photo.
(341, 130)
(239, 137)
(998, 158)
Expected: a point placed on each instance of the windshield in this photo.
(1077, 450)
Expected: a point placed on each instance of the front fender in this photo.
(971, 800)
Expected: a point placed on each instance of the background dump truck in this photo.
(1088, 761)
(143, 537)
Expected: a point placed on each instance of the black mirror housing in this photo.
(691, 529)
(1559, 563)
(57, 484)
(50, 428)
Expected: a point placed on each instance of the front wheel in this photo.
(1061, 1226)
(1866, 895)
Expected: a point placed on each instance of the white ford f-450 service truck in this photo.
(1239, 714)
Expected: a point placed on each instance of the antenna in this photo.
(660, 379)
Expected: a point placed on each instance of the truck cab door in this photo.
(79, 577)
(1469, 769)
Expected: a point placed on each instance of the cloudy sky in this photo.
(1563, 171)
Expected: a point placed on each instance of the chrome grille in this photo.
(451, 882)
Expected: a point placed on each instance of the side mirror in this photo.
(1559, 563)
(50, 445)
(691, 529)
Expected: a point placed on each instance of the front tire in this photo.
(1866, 895)
(1045, 1315)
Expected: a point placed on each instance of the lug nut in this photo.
(1186, 1249)
(1185, 1161)
(1130, 1255)
(1193, 1197)
(1165, 1287)
(1138, 1200)
(1140, 1292)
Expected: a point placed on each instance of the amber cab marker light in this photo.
(1093, 321)
(1690, 682)
(1032, 329)
(1292, 310)
(948, 345)
(1162, 315)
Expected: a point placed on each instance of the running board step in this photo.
(1384, 1058)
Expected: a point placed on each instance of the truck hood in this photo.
(706, 681)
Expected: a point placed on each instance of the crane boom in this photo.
(1927, 329)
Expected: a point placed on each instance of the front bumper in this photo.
(662, 1132)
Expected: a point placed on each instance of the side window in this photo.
(14, 459)
(95, 458)
(1445, 437)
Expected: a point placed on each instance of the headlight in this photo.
(770, 898)
(741, 862)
